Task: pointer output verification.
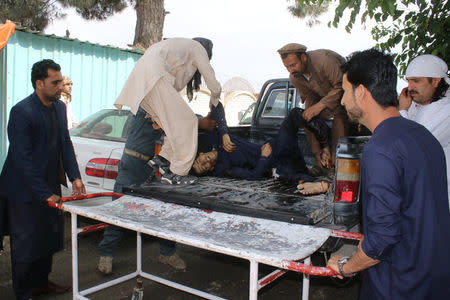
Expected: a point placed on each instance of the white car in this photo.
(99, 141)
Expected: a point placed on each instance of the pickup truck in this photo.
(272, 198)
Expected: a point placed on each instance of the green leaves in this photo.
(405, 27)
(96, 9)
(34, 14)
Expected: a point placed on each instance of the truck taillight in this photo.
(103, 167)
(347, 180)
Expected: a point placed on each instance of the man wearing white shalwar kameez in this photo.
(154, 84)
(428, 99)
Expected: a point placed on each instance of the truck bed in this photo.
(269, 199)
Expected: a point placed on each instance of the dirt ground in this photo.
(214, 273)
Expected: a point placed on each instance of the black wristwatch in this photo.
(340, 265)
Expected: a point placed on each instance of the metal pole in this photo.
(74, 238)
(138, 253)
(180, 287)
(253, 293)
(104, 285)
(305, 292)
(270, 278)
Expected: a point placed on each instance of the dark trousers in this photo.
(287, 135)
(339, 128)
(29, 275)
(289, 162)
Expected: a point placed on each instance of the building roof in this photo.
(24, 29)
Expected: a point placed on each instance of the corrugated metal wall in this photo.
(98, 72)
(3, 110)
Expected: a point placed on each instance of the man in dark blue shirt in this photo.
(252, 161)
(405, 211)
(40, 154)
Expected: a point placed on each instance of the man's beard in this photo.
(413, 94)
(355, 113)
(53, 98)
(297, 74)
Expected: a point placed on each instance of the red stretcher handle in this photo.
(308, 269)
(322, 271)
(83, 197)
(347, 235)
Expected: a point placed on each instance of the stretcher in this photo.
(283, 245)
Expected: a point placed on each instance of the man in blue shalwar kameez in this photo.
(405, 210)
(40, 154)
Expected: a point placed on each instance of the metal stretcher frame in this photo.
(241, 229)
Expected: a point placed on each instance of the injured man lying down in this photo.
(231, 156)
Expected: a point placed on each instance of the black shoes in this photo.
(159, 164)
(171, 178)
(162, 165)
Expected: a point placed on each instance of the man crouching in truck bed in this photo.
(279, 156)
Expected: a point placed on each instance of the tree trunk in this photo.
(149, 24)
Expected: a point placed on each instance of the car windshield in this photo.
(106, 124)
(248, 115)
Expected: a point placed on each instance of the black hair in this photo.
(440, 90)
(207, 44)
(376, 71)
(39, 71)
(196, 80)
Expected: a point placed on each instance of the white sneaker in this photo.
(173, 260)
(105, 264)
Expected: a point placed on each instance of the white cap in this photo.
(427, 65)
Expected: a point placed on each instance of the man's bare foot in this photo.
(325, 158)
(313, 188)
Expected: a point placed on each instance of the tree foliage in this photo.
(312, 12)
(96, 9)
(406, 28)
(36, 14)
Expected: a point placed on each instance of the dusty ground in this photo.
(214, 273)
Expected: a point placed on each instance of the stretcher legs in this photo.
(138, 252)
(74, 240)
(255, 285)
(253, 293)
(305, 285)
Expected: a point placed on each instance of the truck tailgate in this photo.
(267, 199)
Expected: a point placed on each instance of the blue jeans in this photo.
(141, 138)
(113, 234)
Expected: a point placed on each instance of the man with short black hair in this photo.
(40, 154)
(428, 88)
(405, 210)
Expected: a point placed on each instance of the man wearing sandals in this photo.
(318, 78)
